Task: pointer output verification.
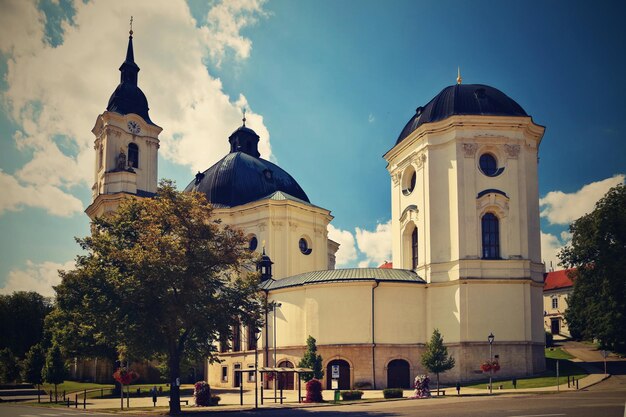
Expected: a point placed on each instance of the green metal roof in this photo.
(345, 275)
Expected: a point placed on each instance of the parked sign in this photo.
(335, 372)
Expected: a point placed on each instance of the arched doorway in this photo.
(398, 374)
(285, 380)
(344, 374)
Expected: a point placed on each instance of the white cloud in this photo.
(551, 245)
(59, 91)
(36, 277)
(563, 208)
(16, 196)
(371, 118)
(375, 245)
(347, 249)
(225, 22)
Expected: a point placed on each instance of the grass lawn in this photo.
(546, 379)
(72, 386)
(557, 353)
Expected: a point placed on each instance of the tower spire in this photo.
(129, 69)
(459, 80)
(244, 116)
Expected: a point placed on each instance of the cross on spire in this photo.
(131, 26)
(458, 77)
(244, 116)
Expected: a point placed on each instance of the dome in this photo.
(240, 178)
(463, 99)
(128, 98)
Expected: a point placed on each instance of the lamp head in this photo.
(490, 338)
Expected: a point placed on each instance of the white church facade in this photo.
(466, 245)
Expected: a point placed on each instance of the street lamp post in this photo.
(490, 339)
(257, 335)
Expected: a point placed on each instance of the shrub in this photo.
(362, 385)
(314, 391)
(202, 394)
(351, 395)
(393, 393)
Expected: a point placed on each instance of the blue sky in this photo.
(329, 85)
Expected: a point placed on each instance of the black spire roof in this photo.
(242, 176)
(463, 99)
(128, 97)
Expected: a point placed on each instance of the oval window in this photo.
(252, 245)
(489, 165)
(409, 178)
(304, 246)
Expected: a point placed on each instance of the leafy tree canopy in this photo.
(161, 277)
(22, 317)
(9, 369)
(597, 305)
(33, 364)
(311, 360)
(435, 357)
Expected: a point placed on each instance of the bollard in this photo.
(85, 400)
(261, 394)
(281, 395)
(568, 381)
(101, 393)
(76, 401)
(577, 383)
(63, 395)
(68, 402)
(50, 396)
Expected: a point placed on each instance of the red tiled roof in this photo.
(557, 279)
(386, 265)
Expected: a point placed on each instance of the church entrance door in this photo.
(285, 380)
(398, 374)
(344, 374)
(555, 326)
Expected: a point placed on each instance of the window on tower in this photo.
(414, 248)
(133, 155)
(491, 236)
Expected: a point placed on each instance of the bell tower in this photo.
(126, 144)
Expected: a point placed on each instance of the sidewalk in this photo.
(230, 400)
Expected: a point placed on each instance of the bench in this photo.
(181, 401)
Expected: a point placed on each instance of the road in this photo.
(20, 410)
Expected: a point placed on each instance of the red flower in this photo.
(125, 376)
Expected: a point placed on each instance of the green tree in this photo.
(9, 368)
(160, 279)
(311, 360)
(22, 317)
(32, 365)
(54, 371)
(597, 305)
(435, 358)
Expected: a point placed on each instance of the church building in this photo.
(465, 238)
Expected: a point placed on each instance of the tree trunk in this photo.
(56, 398)
(174, 365)
(437, 384)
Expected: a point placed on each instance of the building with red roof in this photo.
(557, 286)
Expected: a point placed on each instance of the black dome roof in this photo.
(128, 98)
(463, 99)
(240, 178)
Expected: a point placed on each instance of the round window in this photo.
(408, 180)
(489, 165)
(252, 245)
(304, 246)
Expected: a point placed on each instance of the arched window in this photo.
(414, 248)
(491, 236)
(133, 155)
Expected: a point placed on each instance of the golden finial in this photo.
(244, 123)
(459, 80)
(131, 26)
